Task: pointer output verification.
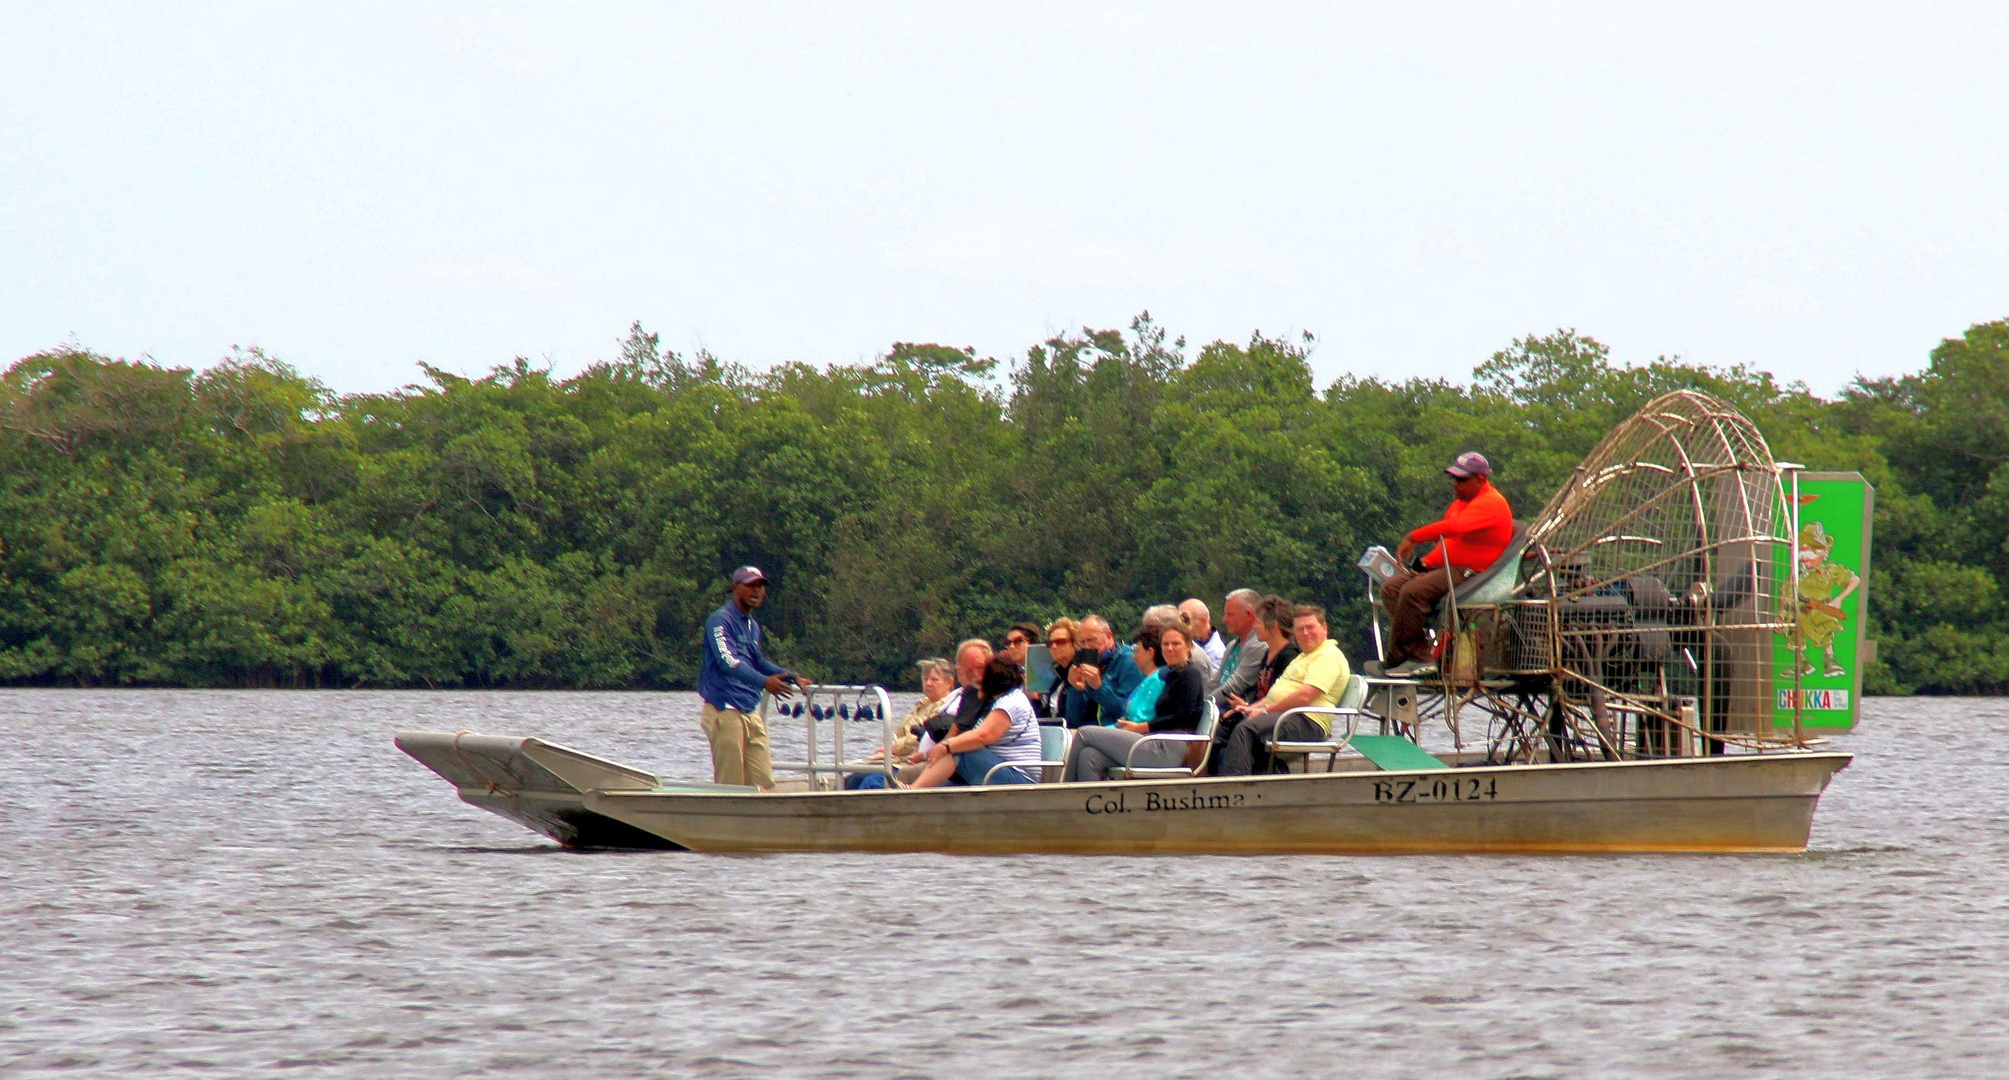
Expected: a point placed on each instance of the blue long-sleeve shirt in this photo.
(734, 671)
(1119, 677)
(1076, 708)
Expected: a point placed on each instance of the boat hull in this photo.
(540, 786)
(1761, 802)
(1722, 804)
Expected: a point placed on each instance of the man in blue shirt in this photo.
(1108, 675)
(730, 680)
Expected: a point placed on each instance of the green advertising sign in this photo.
(1818, 664)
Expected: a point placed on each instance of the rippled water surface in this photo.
(240, 883)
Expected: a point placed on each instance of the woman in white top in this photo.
(1008, 732)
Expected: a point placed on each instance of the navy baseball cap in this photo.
(747, 575)
(1469, 464)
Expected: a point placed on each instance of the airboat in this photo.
(1605, 686)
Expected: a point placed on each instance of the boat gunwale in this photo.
(670, 792)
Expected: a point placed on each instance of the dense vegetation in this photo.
(244, 526)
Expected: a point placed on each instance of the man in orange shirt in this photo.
(1475, 530)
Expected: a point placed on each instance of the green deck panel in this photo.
(1393, 753)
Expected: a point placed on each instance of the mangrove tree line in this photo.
(244, 526)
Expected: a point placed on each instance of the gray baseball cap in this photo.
(1469, 464)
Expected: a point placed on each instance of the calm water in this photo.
(251, 883)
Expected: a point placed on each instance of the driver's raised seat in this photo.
(1493, 585)
(1496, 583)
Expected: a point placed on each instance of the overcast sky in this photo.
(1817, 191)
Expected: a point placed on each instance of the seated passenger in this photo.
(965, 704)
(964, 701)
(1103, 671)
(1208, 640)
(1476, 529)
(1163, 615)
(1063, 701)
(1316, 677)
(1176, 704)
(1241, 662)
(1021, 637)
(938, 678)
(1273, 622)
(1007, 732)
(1142, 704)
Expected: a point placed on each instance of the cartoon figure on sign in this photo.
(1823, 587)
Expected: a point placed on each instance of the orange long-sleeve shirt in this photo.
(1475, 531)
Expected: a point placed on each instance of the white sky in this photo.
(1818, 191)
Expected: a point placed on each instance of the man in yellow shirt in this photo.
(1316, 677)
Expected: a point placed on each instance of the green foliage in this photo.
(245, 526)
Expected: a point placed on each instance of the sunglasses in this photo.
(1051, 642)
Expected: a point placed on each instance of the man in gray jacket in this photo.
(1242, 664)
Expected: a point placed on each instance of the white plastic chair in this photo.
(1203, 734)
(1054, 740)
(1349, 708)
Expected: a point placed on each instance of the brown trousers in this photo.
(1408, 598)
(739, 746)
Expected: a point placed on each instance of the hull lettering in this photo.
(1100, 803)
(1437, 790)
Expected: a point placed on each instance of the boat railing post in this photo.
(837, 746)
(885, 732)
(809, 752)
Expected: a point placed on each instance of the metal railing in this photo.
(835, 707)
